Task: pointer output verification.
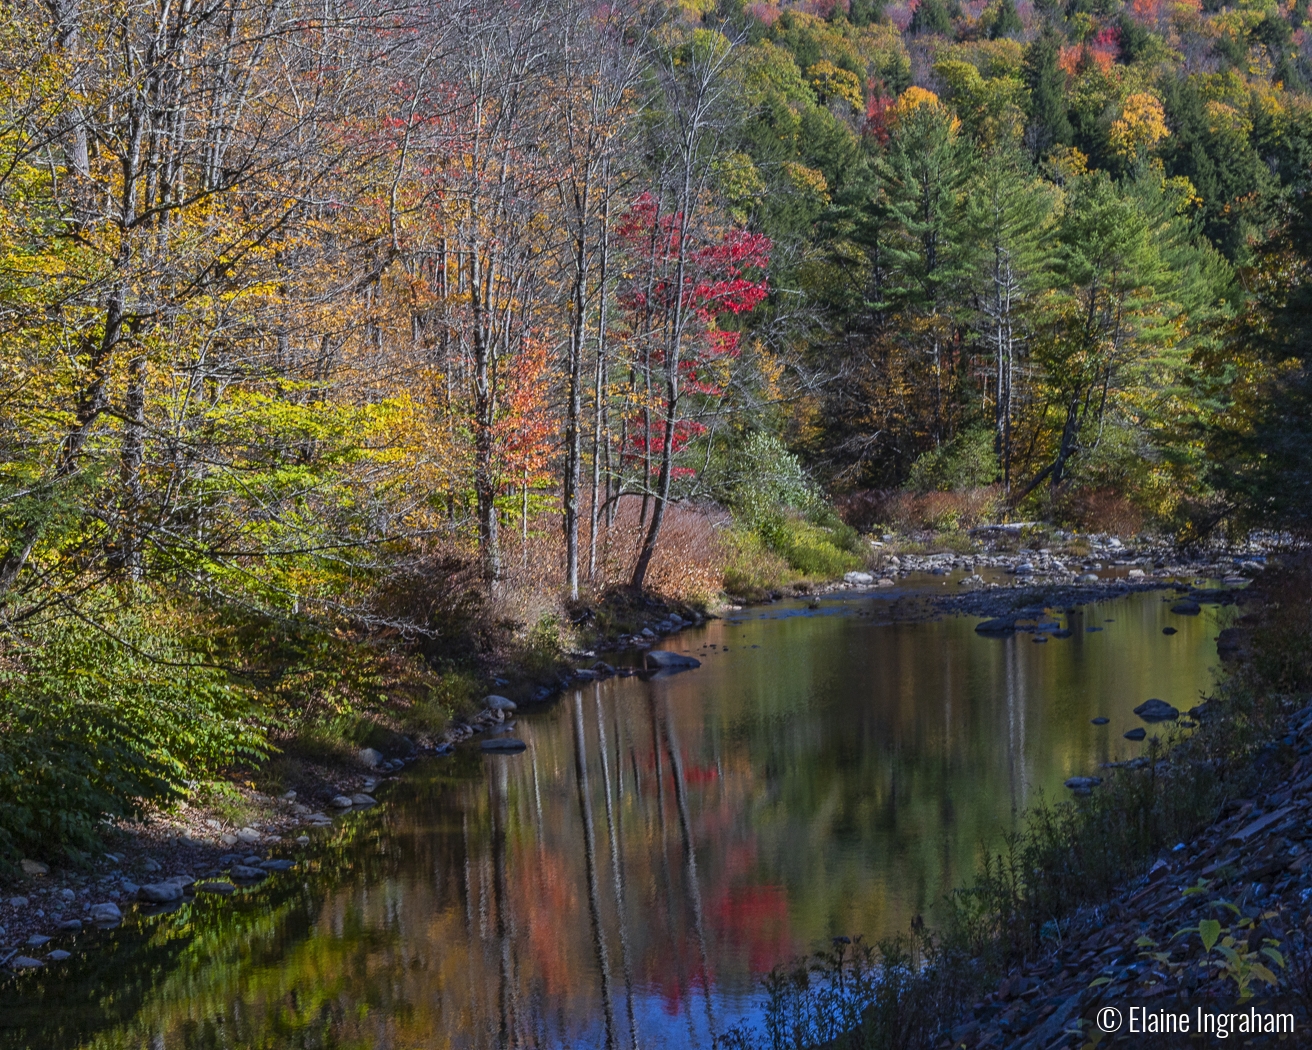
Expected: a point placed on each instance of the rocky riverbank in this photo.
(1227, 910)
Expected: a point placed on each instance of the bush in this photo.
(968, 461)
(96, 721)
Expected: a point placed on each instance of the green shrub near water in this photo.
(95, 721)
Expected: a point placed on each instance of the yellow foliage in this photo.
(1141, 125)
(808, 181)
(830, 82)
(913, 99)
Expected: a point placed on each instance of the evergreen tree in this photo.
(1049, 124)
(1005, 20)
(931, 16)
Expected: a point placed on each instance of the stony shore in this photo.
(1250, 873)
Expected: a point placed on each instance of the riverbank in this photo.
(201, 841)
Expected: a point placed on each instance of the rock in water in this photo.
(24, 962)
(498, 703)
(1083, 785)
(278, 864)
(222, 888)
(59, 955)
(341, 801)
(861, 578)
(1168, 630)
(1186, 608)
(506, 745)
(1000, 625)
(1138, 733)
(107, 912)
(663, 658)
(160, 892)
(361, 799)
(36, 940)
(1156, 711)
(1100, 721)
(244, 874)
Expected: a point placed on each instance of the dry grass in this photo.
(1101, 510)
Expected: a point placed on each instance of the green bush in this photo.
(96, 721)
(968, 461)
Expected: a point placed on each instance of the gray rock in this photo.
(67, 894)
(860, 578)
(1155, 710)
(33, 867)
(504, 745)
(107, 912)
(341, 801)
(244, 874)
(253, 861)
(1024, 569)
(24, 962)
(130, 888)
(498, 703)
(302, 840)
(36, 940)
(1100, 720)
(361, 799)
(248, 835)
(1186, 608)
(58, 955)
(1083, 783)
(1138, 733)
(277, 864)
(1089, 577)
(222, 888)
(18, 902)
(369, 757)
(150, 865)
(663, 658)
(229, 858)
(70, 925)
(228, 839)
(160, 892)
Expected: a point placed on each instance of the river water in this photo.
(660, 845)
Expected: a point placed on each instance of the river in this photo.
(660, 845)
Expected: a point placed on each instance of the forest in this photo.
(347, 347)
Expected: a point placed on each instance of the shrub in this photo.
(968, 461)
(95, 721)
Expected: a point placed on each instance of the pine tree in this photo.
(931, 16)
(1049, 124)
(1005, 20)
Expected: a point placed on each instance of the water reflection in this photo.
(624, 882)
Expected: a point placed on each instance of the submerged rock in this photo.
(498, 703)
(1100, 720)
(361, 799)
(242, 873)
(1186, 608)
(998, 625)
(1138, 733)
(341, 801)
(160, 892)
(107, 912)
(504, 745)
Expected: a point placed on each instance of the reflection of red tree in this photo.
(755, 917)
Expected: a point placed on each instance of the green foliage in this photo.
(1049, 124)
(967, 461)
(97, 720)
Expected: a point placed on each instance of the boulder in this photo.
(341, 801)
(248, 835)
(18, 902)
(369, 757)
(1138, 733)
(107, 912)
(58, 955)
(1089, 577)
(504, 745)
(1155, 710)
(278, 864)
(663, 658)
(498, 703)
(998, 625)
(36, 940)
(70, 925)
(149, 865)
(1134, 574)
(25, 962)
(885, 581)
(34, 867)
(361, 799)
(859, 578)
(1024, 569)
(245, 874)
(160, 892)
